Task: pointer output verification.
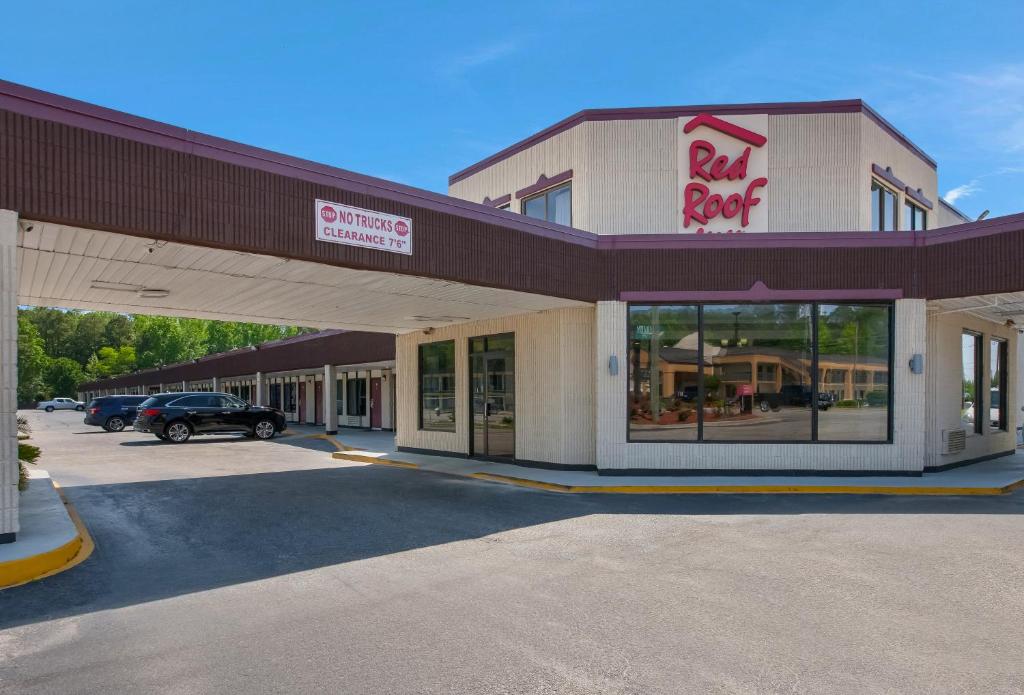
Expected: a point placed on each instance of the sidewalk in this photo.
(995, 477)
(50, 539)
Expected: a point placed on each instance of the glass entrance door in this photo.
(493, 397)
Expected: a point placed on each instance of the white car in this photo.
(61, 404)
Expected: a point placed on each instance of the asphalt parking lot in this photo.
(227, 565)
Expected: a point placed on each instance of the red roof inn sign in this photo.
(723, 170)
(344, 224)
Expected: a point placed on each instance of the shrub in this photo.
(877, 398)
(27, 453)
(848, 404)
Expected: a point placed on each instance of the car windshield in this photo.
(148, 402)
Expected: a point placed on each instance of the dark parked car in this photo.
(113, 413)
(793, 395)
(175, 417)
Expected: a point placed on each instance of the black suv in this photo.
(112, 413)
(175, 417)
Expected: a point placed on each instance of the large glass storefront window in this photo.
(437, 386)
(772, 341)
(853, 369)
(745, 372)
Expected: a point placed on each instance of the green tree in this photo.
(119, 331)
(63, 375)
(110, 361)
(88, 337)
(32, 362)
(55, 327)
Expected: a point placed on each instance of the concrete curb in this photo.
(749, 489)
(717, 489)
(33, 568)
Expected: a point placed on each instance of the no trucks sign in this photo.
(344, 224)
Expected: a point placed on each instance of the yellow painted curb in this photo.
(748, 489)
(348, 456)
(72, 553)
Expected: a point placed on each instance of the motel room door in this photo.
(493, 397)
(375, 403)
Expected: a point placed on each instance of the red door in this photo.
(319, 391)
(375, 403)
(302, 400)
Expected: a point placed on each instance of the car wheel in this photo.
(764, 406)
(49, 408)
(264, 429)
(79, 408)
(114, 424)
(178, 432)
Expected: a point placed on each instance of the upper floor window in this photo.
(914, 218)
(553, 205)
(884, 208)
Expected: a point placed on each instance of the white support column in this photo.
(216, 384)
(330, 392)
(8, 376)
(184, 386)
(261, 389)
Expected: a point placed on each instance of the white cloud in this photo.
(457, 66)
(962, 191)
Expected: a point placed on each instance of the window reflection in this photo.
(853, 363)
(772, 341)
(744, 372)
(997, 385)
(970, 361)
(666, 337)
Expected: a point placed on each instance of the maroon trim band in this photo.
(498, 202)
(919, 197)
(542, 183)
(887, 176)
(658, 112)
(759, 292)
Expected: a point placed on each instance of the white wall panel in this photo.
(944, 371)
(554, 386)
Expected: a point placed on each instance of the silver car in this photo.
(61, 404)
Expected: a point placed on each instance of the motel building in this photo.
(758, 288)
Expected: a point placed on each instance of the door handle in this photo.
(190, 412)
(225, 412)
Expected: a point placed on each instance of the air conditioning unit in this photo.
(954, 441)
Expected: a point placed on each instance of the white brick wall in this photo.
(8, 372)
(905, 454)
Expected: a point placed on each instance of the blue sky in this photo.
(415, 91)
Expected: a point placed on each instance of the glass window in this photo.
(356, 397)
(553, 205)
(275, 396)
(437, 386)
(289, 397)
(914, 218)
(339, 401)
(743, 372)
(997, 375)
(884, 210)
(853, 357)
(738, 338)
(664, 363)
(971, 368)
